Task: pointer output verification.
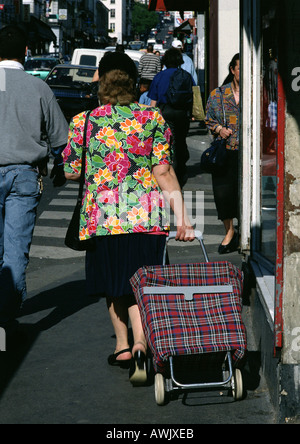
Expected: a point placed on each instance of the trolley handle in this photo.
(198, 236)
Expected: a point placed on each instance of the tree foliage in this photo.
(143, 19)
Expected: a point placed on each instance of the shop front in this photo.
(270, 172)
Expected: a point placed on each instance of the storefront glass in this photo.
(269, 131)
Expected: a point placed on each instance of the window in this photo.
(112, 13)
(269, 132)
(88, 60)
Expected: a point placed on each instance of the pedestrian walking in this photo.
(177, 119)
(31, 123)
(128, 169)
(187, 64)
(225, 184)
(149, 64)
(144, 89)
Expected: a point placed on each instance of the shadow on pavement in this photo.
(63, 302)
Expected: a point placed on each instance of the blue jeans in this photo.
(19, 198)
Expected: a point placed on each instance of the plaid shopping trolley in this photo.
(191, 309)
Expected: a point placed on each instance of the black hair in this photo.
(232, 65)
(13, 42)
(117, 60)
(172, 58)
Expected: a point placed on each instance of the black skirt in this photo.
(225, 188)
(116, 258)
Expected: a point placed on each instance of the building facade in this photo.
(119, 19)
(59, 25)
(270, 203)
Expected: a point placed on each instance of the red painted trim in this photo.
(280, 215)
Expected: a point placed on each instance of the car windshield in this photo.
(39, 64)
(63, 76)
(136, 45)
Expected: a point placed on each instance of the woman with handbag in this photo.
(223, 122)
(123, 211)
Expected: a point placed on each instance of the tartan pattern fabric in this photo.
(209, 323)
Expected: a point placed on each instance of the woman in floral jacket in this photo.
(128, 167)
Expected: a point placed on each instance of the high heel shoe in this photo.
(232, 246)
(138, 371)
(123, 363)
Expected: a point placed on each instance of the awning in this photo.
(178, 5)
(185, 26)
(40, 28)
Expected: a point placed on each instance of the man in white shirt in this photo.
(188, 64)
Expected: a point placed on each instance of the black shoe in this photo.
(125, 363)
(138, 371)
(232, 246)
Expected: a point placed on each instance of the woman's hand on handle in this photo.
(185, 233)
(168, 183)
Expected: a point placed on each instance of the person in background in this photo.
(225, 186)
(120, 47)
(178, 119)
(31, 123)
(144, 89)
(128, 173)
(149, 64)
(187, 64)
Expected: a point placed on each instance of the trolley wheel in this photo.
(159, 389)
(237, 385)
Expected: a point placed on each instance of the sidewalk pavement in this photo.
(62, 377)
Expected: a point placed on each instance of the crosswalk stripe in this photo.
(51, 232)
(56, 215)
(68, 193)
(72, 185)
(46, 252)
(63, 202)
(207, 205)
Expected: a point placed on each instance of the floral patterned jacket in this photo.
(124, 144)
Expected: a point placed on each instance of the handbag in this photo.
(198, 111)
(72, 236)
(213, 159)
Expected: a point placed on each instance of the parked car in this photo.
(40, 66)
(136, 45)
(74, 88)
(92, 57)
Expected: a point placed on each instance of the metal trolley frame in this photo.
(232, 378)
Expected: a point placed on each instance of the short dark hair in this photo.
(117, 60)
(172, 58)
(13, 42)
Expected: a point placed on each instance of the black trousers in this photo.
(225, 188)
(179, 122)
